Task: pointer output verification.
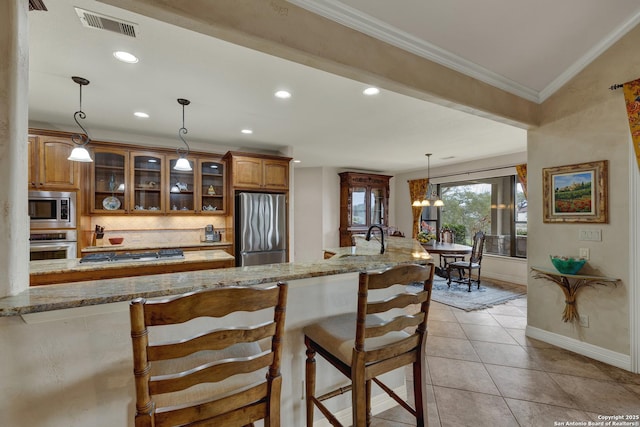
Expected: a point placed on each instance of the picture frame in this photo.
(576, 193)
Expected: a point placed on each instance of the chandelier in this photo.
(431, 198)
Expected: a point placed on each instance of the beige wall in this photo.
(584, 122)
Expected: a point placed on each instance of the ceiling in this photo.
(527, 48)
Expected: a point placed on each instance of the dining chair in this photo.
(223, 371)
(384, 334)
(474, 263)
(448, 236)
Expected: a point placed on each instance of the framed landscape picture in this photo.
(576, 193)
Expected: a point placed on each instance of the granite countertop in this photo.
(364, 256)
(51, 266)
(149, 246)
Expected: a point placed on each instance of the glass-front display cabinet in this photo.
(181, 187)
(147, 181)
(212, 186)
(109, 181)
(364, 201)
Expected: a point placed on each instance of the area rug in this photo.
(490, 293)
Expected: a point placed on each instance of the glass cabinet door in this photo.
(108, 183)
(147, 183)
(377, 206)
(212, 186)
(359, 206)
(181, 188)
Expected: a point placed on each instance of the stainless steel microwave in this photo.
(52, 209)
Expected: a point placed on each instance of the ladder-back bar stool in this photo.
(383, 335)
(224, 371)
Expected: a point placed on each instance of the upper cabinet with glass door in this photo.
(109, 181)
(212, 186)
(181, 187)
(147, 180)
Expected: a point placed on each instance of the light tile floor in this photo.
(484, 371)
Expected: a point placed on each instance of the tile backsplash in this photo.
(161, 229)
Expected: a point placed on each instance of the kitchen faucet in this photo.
(368, 237)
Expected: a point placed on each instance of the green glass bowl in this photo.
(567, 265)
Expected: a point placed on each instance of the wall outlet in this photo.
(584, 320)
(584, 253)
(590, 235)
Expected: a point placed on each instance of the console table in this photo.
(570, 285)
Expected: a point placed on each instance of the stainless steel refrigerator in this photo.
(261, 228)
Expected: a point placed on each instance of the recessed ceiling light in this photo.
(125, 57)
(247, 131)
(283, 94)
(297, 161)
(371, 91)
(141, 115)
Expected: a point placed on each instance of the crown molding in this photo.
(352, 18)
(589, 57)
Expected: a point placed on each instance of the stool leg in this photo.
(420, 392)
(368, 388)
(310, 383)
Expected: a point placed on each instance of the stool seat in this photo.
(386, 333)
(339, 332)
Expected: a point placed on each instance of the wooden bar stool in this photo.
(383, 335)
(228, 375)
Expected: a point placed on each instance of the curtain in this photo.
(632, 101)
(522, 177)
(417, 191)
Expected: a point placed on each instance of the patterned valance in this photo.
(632, 100)
(417, 191)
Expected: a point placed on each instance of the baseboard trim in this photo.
(604, 355)
(379, 404)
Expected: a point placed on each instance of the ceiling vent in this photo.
(37, 5)
(104, 22)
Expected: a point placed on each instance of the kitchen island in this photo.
(67, 359)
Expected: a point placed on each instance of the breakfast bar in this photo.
(74, 342)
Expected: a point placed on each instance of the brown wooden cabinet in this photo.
(181, 187)
(212, 186)
(259, 172)
(109, 181)
(49, 168)
(364, 201)
(148, 186)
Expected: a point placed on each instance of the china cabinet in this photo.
(364, 201)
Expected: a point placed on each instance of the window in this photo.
(496, 206)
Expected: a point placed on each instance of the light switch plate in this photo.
(590, 235)
(584, 253)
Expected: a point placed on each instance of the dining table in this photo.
(445, 248)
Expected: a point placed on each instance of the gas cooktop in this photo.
(141, 256)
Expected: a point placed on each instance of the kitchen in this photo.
(316, 235)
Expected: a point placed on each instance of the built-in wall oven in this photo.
(52, 209)
(52, 244)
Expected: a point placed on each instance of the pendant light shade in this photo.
(431, 198)
(80, 153)
(182, 164)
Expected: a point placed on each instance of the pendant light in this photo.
(431, 198)
(182, 164)
(80, 153)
